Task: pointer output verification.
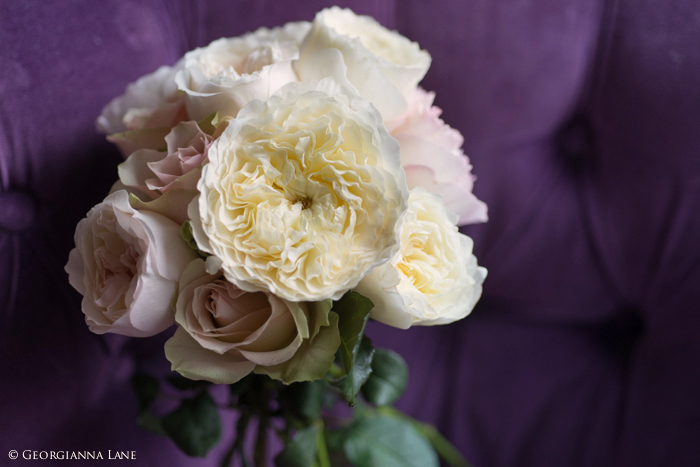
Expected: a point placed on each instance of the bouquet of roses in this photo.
(278, 190)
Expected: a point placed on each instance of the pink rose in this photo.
(157, 172)
(126, 264)
(432, 157)
(166, 181)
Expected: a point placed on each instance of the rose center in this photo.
(305, 201)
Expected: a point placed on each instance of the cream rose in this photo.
(434, 279)
(383, 66)
(127, 264)
(431, 155)
(302, 194)
(228, 73)
(153, 101)
(225, 333)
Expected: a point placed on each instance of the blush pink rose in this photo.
(432, 157)
(126, 264)
(166, 181)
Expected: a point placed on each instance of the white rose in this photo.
(126, 264)
(431, 155)
(225, 333)
(383, 66)
(153, 101)
(302, 194)
(228, 73)
(434, 279)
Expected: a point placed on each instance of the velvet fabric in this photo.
(581, 120)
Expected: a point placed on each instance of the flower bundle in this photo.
(279, 189)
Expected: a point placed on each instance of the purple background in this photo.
(581, 118)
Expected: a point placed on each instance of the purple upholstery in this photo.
(581, 120)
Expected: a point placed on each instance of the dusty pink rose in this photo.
(126, 264)
(432, 157)
(157, 172)
(225, 333)
(166, 181)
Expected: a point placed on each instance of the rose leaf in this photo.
(301, 451)
(389, 442)
(353, 310)
(388, 379)
(350, 384)
(194, 426)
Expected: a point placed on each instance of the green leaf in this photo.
(305, 399)
(312, 360)
(194, 426)
(353, 310)
(388, 379)
(388, 442)
(442, 446)
(147, 389)
(301, 451)
(359, 373)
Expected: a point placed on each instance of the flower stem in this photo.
(323, 458)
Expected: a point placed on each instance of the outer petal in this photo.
(148, 101)
(195, 362)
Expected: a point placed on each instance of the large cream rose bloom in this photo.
(434, 278)
(383, 66)
(302, 195)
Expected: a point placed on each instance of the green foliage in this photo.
(351, 384)
(353, 310)
(194, 426)
(305, 399)
(388, 379)
(312, 360)
(301, 451)
(379, 440)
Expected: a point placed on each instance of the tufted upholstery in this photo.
(581, 120)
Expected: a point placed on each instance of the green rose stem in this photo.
(323, 457)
